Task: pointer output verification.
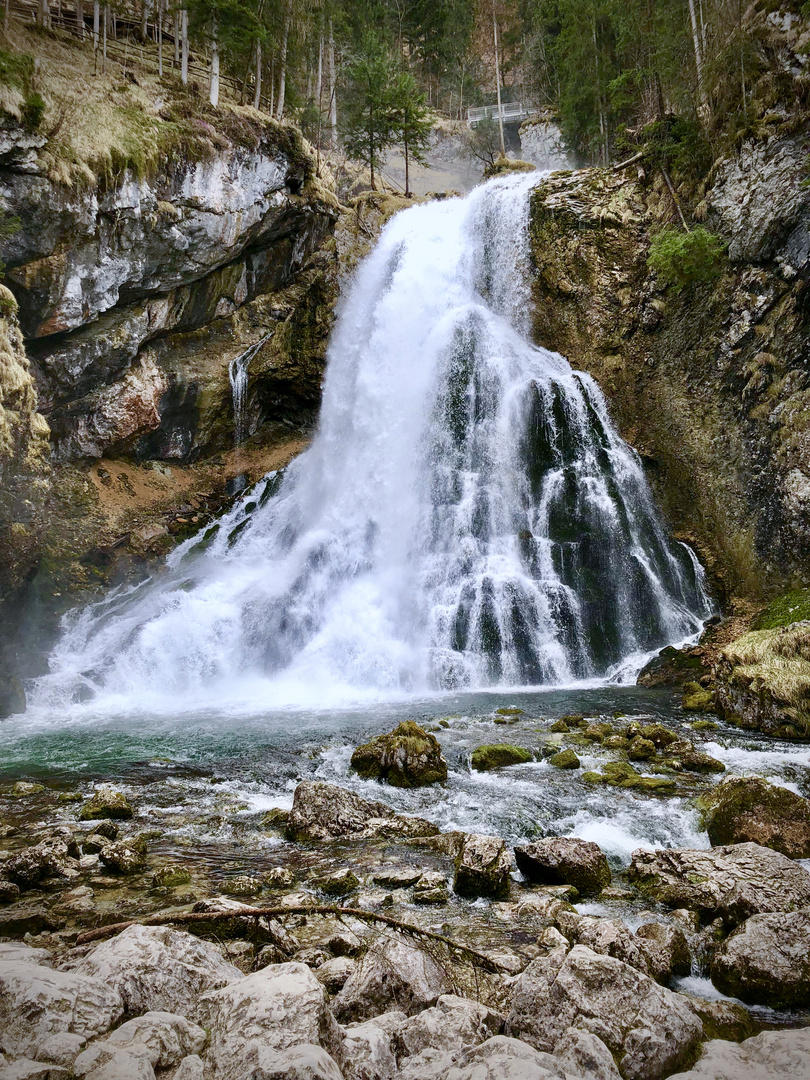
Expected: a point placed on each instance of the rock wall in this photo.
(710, 384)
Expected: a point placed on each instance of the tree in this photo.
(410, 121)
(368, 120)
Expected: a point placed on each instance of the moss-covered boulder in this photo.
(674, 667)
(497, 756)
(697, 698)
(406, 757)
(622, 774)
(683, 755)
(763, 681)
(658, 735)
(566, 759)
(106, 803)
(748, 808)
(641, 749)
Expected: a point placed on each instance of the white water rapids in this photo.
(466, 516)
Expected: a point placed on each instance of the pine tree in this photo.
(410, 121)
(368, 120)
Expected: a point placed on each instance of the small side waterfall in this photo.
(466, 516)
(238, 374)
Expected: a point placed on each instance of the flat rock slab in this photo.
(766, 961)
(324, 811)
(734, 881)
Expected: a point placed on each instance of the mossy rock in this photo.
(566, 759)
(672, 667)
(573, 720)
(340, 884)
(750, 810)
(615, 742)
(697, 698)
(704, 725)
(406, 757)
(498, 756)
(509, 710)
(658, 735)
(106, 803)
(559, 727)
(641, 750)
(596, 732)
(790, 607)
(170, 877)
(503, 166)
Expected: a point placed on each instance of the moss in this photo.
(770, 669)
(504, 166)
(790, 607)
(566, 759)
(697, 698)
(704, 725)
(509, 711)
(406, 757)
(749, 809)
(497, 756)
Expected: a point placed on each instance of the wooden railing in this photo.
(511, 113)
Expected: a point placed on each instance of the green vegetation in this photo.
(498, 756)
(790, 607)
(681, 259)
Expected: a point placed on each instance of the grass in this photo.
(778, 661)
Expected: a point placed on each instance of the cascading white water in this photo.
(239, 376)
(466, 515)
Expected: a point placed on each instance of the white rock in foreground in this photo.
(772, 1054)
(394, 974)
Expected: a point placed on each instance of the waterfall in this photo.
(238, 374)
(466, 516)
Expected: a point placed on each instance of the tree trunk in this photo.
(332, 88)
(184, 46)
(96, 14)
(213, 90)
(257, 92)
(176, 30)
(498, 79)
(44, 14)
(407, 172)
(698, 52)
(79, 15)
(282, 68)
(160, 37)
(104, 41)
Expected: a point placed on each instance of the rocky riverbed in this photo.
(596, 931)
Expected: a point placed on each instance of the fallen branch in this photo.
(630, 161)
(189, 918)
(668, 182)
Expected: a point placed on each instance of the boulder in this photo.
(766, 961)
(37, 1002)
(584, 1054)
(26, 1069)
(452, 1023)
(649, 1030)
(665, 950)
(272, 1010)
(641, 749)
(732, 882)
(324, 811)
(605, 937)
(369, 1052)
(431, 888)
(499, 1058)
(498, 756)
(397, 877)
(565, 759)
(106, 803)
(9, 892)
(335, 973)
(306, 1062)
(483, 867)
(406, 757)
(165, 1037)
(564, 861)
(121, 857)
(764, 1057)
(49, 859)
(683, 753)
(155, 968)
(747, 808)
(394, 973)
(61, 1048)
(190, 1068)
(339, 884)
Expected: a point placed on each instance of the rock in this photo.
(766, 961)
(344, 943)
(312, 955)
(641, 749)
(605, 937)
(566, 759)
(106, 803)
(162, 1038)
(665, 949)
(190, 1068)
(673, 667)
(406, 757)
(340, 884)
(452, 1023)
(12, 696)
(622, 774)
(335, 973)
(697, 698)
(276, 818)
(26, 1069)
(298, 1063)
(275, 1009)
(764, 1057)
(170, 877)
(398, 877)
(498, 756)
(34, 918)
(431, 888)
(49, 859)
(584, 1054)
(687, 757)
(394, 973)
(597, 732)
(658, 735)
(121, 857)
(243, 926)
(724, 1019)
(106, 828)
(323, 811)
(37, 1002)
(733, 881)
(369, 1053)
(9, 892)
(566, 861)
(483, 867)
(279, 877)
(155, 968)
(499, 1058)
(750, 809)
(648, 1029)
(61, 1048)
(103, 1062)
(24, 788)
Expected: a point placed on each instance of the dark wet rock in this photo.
(674, 667)
(431, 888)
(106, 828)
(106, 803)
(406, 757)
(326, 812)
(559, 727)
(649, 1030)
(665, 949)
(269, 954)
(335, 973)
(275, 819)
(766, 961)
(339, 884)
(344, 943)
(28, 918)
(393, 974)
(750, 809)
(9, 892)
(483, 867)
(156, 968)
(397, 877)
(42, 861)
(732, 882)
(12, 696)
(566, 861)
(687, 757)
(498, 756)
(597, 732)
(269, 1012)
(764, 1057)
(565, 759)
(312, 955)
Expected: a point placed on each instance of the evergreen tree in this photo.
(410, 121)
(368, 116)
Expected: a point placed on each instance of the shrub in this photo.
(681, 259)
(32, 111)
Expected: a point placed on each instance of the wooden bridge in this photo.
(512, 112)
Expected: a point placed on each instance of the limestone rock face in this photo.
(271, 1011)
(451, 1024)
(393, 974)
(504, 1058)
(405, 757)
(162, 1038)
(305, 1062)
(750, 809)
(766, 961)
(665, 949)
(565, 861)
(369, 1052)
(771, 1054)
(155, 968)
(734, 881)
(37, 1002)
(324, 811)
(647, 1028)
(483, 867)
